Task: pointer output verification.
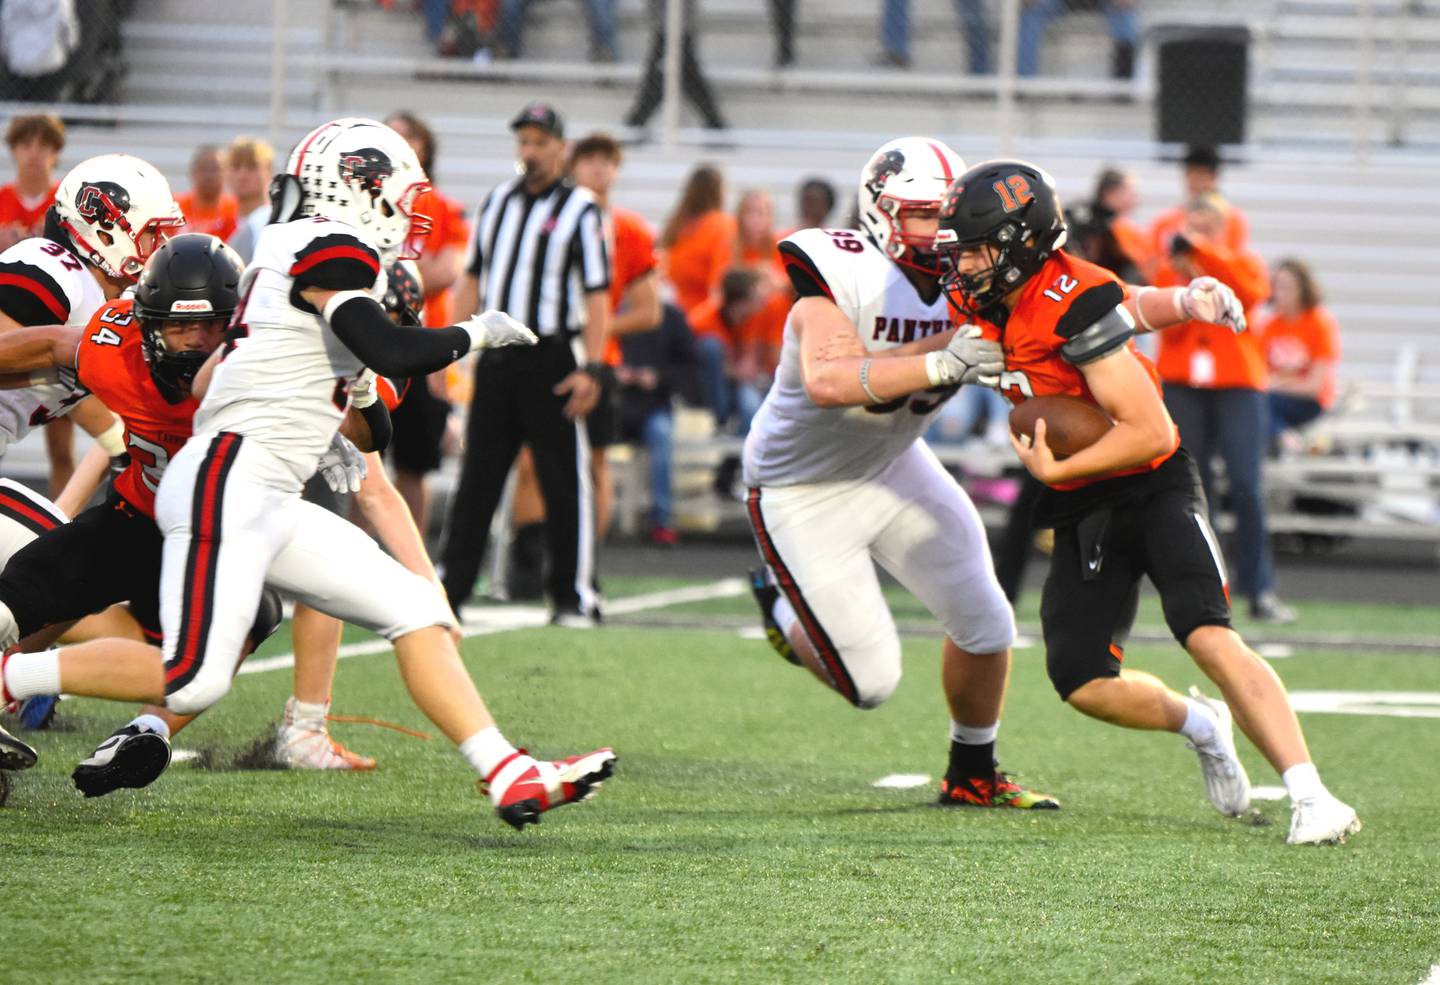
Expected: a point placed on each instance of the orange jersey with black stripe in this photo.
(111, 364)
(1064, 298)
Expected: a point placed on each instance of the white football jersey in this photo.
(285, 382)
(43, 283)
(793, 441)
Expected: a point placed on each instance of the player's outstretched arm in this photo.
(1203, 299)
(28, 351)
(840, 373)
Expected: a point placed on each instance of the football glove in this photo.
(492, 329)
(967, 359)
(342, 466)
(362, 391)
(1206, 299)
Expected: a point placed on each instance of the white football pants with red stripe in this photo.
(228, 533)
(819, 540)
(24, 515)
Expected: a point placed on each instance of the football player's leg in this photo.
(815, 542)
(303, 740)
(333, 566)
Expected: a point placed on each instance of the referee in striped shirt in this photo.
(537, 252)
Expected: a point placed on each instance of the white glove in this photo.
(342, 466)
(967, 359)
(362, 391)
(492, 329)
(1206, 299)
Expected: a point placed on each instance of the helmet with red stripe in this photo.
(906, 175)
(116, 211)
(360, 172)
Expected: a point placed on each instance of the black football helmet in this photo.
(193, 277)
(1010, 206)
(404, 297)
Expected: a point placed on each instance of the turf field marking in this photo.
(488, 619)
(1434, 977)
(1268, 793)
(1395, 704)
(902, 781)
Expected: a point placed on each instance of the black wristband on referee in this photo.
(603, 373)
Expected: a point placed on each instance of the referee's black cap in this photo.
(540, 115)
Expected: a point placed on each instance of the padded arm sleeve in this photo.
(394, 350)
(1110, 332)
(377, 416)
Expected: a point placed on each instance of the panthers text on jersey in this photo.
(43, 283)
(1064, 298)
(111, 364)
(285, 382)
(793, 441)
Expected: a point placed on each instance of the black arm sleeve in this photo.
(394, 350)
(377, 416)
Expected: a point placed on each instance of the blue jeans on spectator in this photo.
(1291, 412)
(748, 398)
(602, 25)
(895, 32)
(715, 387)
(436, 13)
(659, 430)
(1231, 423)
(1036, 15)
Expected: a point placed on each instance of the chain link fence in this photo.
(61, 51)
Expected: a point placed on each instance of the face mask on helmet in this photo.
(116, 210)
(363, 173)
(404, 298)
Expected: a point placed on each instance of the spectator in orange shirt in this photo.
(758, 344)
(1301, 340)
(249, 162)
(699, 239)
(716, 325)
(1215, 390)
(208, 208)
(1201, 176)
(814, 201)
(35, 144)
(1117, 194)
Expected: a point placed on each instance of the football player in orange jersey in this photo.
(1126, 506)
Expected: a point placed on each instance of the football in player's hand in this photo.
(1071, 424)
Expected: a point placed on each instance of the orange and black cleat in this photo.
(995, 790)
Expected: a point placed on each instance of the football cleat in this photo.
(132, 757)
(1322, 820)
(38, 712)
(996, 790)
(313, 749)
(766, 592)
(1226, 782)
(15, 754)
(522, 788)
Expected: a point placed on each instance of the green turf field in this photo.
(741, 839)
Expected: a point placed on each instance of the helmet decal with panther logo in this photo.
(369, 167)
(90, 203)
(881, 168)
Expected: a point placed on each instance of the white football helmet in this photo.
(360, 172)
(911, 173)
(117, 211)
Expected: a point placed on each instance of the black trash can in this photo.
(1204, 79)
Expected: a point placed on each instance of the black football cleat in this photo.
(766, 592)
(15, 754)
(132, 757)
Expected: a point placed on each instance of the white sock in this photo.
(1200, 722)
(306, 716)
(973, 735)
(152, 723)
(486, 750)
(28, 675)
(1303, 782)
(784, 614)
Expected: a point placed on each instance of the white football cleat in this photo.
(133, 756)
(1322, 820)
(314, 749)
(1226, 782)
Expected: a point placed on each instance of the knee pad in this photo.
(875, 675)
(268, 616)
(423, 605)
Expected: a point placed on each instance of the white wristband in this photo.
(112, 439)
(340, 298)
(1140, 308)
(933, 370)
(865, 382)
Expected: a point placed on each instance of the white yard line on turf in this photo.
(1434, 977)
(484, 620)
